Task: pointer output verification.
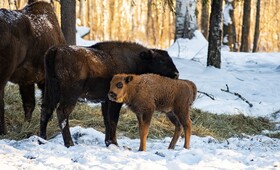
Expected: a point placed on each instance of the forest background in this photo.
(152, 22)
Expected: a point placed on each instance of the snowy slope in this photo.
(255, 76)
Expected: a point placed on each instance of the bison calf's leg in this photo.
(3, 129)
(28, 100)
(144, 123)
(178, 129)
(184, 118)
(188, 131)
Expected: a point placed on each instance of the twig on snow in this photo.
(209, 95)
(238, 95)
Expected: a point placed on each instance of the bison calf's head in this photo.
(118, 88)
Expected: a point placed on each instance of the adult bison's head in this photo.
(159, 62)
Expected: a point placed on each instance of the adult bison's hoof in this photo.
(109, 142)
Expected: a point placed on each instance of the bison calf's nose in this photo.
(112, 96)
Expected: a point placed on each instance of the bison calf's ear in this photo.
(128, 79)
(147, 55)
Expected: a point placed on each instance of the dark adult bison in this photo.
(25, 36)
(73, 72)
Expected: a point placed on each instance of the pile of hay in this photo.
(204, 124)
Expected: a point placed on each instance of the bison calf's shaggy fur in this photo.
(149, 92)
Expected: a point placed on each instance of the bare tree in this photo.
(205, 18)
(68, 20)
(229, 31)
(186, 22)
(257, 26)
(245, 38)
(215, 34)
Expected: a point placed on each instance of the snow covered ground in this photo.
(255, 76)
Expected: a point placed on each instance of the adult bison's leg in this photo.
(46, 115)
(69, 97)
(104, 109)
(6, 71)
(111, 118)
(3, 129)
(63, 112)
(28, 100)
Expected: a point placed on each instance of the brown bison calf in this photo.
(146, 93)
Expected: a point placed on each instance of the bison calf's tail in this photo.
(52, 87)
(193, 88)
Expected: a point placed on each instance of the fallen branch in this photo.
(209, 95)
(276, 112)
(238, 95)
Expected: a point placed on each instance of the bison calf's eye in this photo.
(119, 85)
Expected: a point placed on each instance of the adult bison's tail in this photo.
(52, 87)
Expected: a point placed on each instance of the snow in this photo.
(252, 75)
(255, 76)
(10, 17)
(227, 9)
(40, 23)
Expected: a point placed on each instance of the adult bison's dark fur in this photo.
(25, 36)
(149, 92)
(73, 72)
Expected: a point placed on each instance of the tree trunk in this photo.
(257, 26)
(68, 20)
(205, 19)
(245, 37)
(82, 12)
(278, 26)
(229, 31)
(186, 22)
(215, 33)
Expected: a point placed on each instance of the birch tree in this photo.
(229, 31)
(186, 22)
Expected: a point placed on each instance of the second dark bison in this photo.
(73, 72)
(26, 35)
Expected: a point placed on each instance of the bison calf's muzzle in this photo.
(112, 96)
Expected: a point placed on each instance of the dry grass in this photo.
(204, 124)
